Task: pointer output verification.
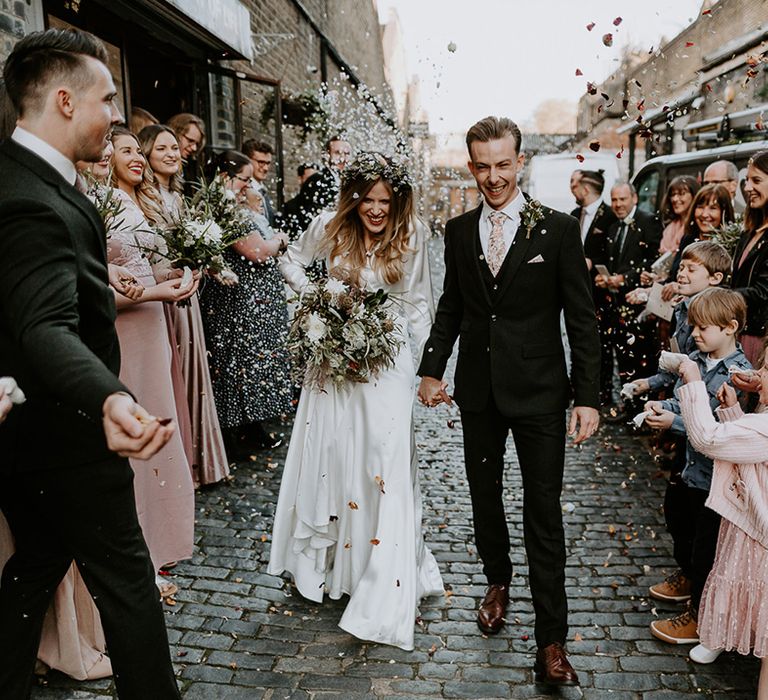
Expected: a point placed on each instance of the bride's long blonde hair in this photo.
(344, 237)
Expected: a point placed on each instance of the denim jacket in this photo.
(698, 468)
(683, 335)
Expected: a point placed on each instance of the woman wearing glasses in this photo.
(246, 324)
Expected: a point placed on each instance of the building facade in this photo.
(704, 87)
(238, 64)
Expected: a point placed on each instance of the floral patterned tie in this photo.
(496, 248)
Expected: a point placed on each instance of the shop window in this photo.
(223, 111)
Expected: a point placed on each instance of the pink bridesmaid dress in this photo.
(208, 458)
(163, 485)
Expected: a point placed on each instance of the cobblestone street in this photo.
(237, 633)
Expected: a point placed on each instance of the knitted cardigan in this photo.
(739, 446)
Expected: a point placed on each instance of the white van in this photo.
(547, 177)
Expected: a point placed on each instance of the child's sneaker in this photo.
(676, 588)
(678, 630)
(704, 655)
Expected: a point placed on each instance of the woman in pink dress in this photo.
(677, 201)
(209, 459)
(734, 605)
(164, 489)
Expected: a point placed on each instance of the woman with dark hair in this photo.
(677, 200)
(246, 327)
(711, 208)
(208, 455)
(750, 259)
(338, 529)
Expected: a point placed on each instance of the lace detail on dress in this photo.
(125, 241)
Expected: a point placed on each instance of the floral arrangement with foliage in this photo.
(372, 166)
(728, 234)
(341, 333)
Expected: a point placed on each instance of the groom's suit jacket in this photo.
(57, 317)
(509, 326)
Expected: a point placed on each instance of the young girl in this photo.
(734, 607)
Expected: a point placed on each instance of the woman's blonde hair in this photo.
(345, 234)
(150, 202)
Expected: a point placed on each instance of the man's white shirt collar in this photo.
(512, 210)
(56, 159)
(592, 208)
(629, 218)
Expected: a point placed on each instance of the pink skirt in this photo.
(734, 606)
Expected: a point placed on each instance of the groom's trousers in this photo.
(86, 514)
(540, 445)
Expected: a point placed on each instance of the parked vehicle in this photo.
(653, 177)
(547, 177)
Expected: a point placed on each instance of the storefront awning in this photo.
(223, 26)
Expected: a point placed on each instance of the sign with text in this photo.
(229, 20)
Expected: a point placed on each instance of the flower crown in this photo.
(372, 166)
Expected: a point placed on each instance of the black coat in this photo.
(641, 248)
(596, 240)
(751, 281)
(57, 317)
(509, 326)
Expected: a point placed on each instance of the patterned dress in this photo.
(246, 328)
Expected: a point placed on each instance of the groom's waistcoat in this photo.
(508, 326)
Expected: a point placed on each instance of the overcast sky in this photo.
(510, 55)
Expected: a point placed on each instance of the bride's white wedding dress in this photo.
(348, 518)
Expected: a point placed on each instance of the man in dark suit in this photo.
(65, 493)
(633, 245)
(511, 267)
(595, 219)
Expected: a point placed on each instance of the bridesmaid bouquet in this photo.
(341, 333)
(196, 240)
(728, 235)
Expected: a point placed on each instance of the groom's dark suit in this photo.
(511, 374)
(65, 495)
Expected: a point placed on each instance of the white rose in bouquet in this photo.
(212, 233)
(316, 328)
(335, 288)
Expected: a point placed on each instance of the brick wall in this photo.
(13, 24)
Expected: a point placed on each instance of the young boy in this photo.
(716, 317)
(703, 265)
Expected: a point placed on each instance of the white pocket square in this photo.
(538, 258)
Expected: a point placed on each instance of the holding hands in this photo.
(433, 392)
(131, 431)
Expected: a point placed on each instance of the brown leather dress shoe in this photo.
(552, 666)
(490, 617)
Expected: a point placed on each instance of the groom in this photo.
(511, 267)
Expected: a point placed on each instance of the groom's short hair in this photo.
(42, 57)
(492, 128)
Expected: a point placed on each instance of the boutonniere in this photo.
(629, 221)
(530, 215)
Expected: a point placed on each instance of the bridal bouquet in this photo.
(341, 333)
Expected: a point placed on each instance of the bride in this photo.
(348, 517)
